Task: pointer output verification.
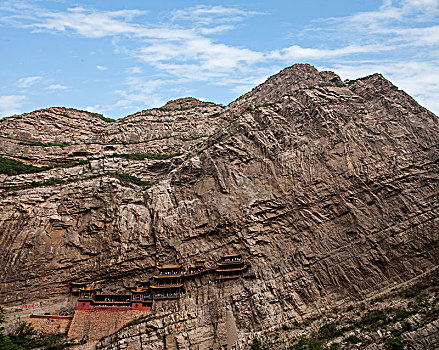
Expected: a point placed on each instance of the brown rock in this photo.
(330, 190)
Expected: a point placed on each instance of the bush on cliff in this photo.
(14, 167)
(25, 337)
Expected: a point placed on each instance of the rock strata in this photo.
(329, 188)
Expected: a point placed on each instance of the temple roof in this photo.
(89, 288)
(231, 255)
(168, 286)
(169, 267)
(234, 269)
(77, 284)
(177, 275)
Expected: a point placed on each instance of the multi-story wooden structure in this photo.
(232, 266)
(167, 284)
(90, 299)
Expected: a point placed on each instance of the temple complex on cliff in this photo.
(99, 314)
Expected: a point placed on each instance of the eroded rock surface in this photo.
(330, 189)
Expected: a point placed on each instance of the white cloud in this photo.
(139, 94)
(418, 78)
(296, 52)
(55, 87)
(207, 14)
(134, 70)
(399, 36)
(11, 104)
(216, 29)
(94, 24)
(101, 68)
(27, 82)
(198, 58)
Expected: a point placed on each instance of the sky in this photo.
(120, 57)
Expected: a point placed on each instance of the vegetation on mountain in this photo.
(15, 167)
(26, 338)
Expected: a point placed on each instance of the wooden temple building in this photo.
(75, 287)
(232, 266)
(90, 299)
(100, 314)
(168, 283)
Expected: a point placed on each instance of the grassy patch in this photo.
(353, 339)
(131, 178)
(328, 331)
(403, 314)
(105, 119)
(43, 144)
(257, 345)
(308, 344)
(373, 318)
(15, 167)
(394, 344)
(410, 294)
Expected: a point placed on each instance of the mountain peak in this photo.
(185, 102)
(297, 76)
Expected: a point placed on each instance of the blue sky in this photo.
(117, 57)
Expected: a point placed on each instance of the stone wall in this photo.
(95, 324)
(50, 324)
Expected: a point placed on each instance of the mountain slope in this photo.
(330, 189)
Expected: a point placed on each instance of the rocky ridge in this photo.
(330, 188)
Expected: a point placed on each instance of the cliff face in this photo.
(330, 189)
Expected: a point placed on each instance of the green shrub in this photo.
(25, 337)
(131, 178)
(410, 294)
(394, 344)
(403, 314)
(328, 331)
(105, 119)
(373, 318)
(15, 167)
(308, 344)
(257, 345)
(43, 144)
(406, 326)
(353, 339)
